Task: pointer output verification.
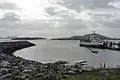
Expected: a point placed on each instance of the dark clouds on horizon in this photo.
(65, 18)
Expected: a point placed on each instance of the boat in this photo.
(94, 51)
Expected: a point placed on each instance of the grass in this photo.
(97, 75)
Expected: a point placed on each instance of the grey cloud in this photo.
(112, 24)
(98, 19)
(29, 25)
(74, 24)
(74, 6)
(8, 6)
(61, 12)
(2, 1)
(31, 28)
(101, 4)
(88, 4)
(68, 21)
(10, 20)
(10, 17)
(106, 20)
(67, 25)
(104, 15)
(51, 11)
(57, 11)
(36, 26)
(16, 32)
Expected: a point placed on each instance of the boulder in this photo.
(61, 62)
(27, 70)
(39, 75)
(6, 70)
(87, 68)
(79, 64)
(70, 72)
(5, 64)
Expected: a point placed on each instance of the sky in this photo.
(59, 18)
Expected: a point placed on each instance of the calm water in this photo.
(48, 50)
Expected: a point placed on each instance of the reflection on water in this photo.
(5, 40)
(48, 50)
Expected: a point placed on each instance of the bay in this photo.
(52, 50)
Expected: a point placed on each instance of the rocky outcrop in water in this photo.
(86, 37)
(10, 47)
(29, 38)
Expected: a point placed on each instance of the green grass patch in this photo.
(109, 75)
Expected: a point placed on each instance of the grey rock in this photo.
(87, 68)
(15, 67)
(39, 75)
(27, 70)
(4, 69)
(61, 62)
(5, 76)
(71, 72)
(5, 64)
(80, 64)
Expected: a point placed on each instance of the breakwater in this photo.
(10, 47)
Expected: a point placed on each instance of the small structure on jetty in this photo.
(96, 42)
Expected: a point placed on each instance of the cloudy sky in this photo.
(59, 18)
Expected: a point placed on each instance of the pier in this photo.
(104, 45)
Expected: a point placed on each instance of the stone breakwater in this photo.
(10, 47)
(17, 68)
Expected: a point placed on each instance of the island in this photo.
(29, 38)
(85, 37)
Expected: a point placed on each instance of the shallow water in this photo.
(51, 50)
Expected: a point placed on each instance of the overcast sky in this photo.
(59, 18)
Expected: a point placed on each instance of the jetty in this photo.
(92, 45)
(10, 47)
(100, 46)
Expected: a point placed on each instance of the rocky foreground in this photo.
(16, 68)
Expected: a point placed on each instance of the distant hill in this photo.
(1, 38)
(87, 36)
(28, 38)
(8, 37)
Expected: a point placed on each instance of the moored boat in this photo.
(94, 51)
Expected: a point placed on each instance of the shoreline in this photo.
(17, 68)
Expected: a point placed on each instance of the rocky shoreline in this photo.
(17, 68)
